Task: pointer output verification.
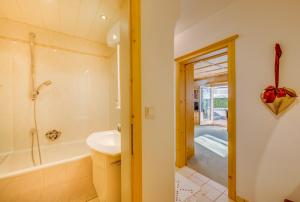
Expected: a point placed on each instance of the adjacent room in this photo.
(203, 105)
(210, 116)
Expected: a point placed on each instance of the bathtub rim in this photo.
(47, 165)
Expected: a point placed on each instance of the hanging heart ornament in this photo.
(275, 98)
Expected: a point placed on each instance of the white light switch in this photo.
(149, 113)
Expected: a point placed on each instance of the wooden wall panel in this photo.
(189, 108)
(180, 116)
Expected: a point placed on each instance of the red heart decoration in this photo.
(278, 99)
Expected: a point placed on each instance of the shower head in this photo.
(45, 83)
(37, 91)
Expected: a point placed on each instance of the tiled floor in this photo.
(209, 190)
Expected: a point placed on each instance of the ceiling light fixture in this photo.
(103, 17)
(114, 37)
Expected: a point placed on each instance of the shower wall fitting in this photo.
(53, 135)
(35, 91)
(84, 75)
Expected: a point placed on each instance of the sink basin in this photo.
(106, 142)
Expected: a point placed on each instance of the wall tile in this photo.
(79, 95)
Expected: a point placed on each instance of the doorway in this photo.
(210, 156)
(205, 112)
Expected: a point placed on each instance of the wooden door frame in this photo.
(181, 151)
(136, 100)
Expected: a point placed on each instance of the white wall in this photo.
(158, 88)
(77, 103)
(114, 108)
(268, 162)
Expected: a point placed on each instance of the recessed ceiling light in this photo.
(103, 17)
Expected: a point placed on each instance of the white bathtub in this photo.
(14, 163)
(65, 175)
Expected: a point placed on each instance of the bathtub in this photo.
(65, 175)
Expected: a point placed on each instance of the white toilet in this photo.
(106, 157)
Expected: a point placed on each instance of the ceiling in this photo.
(193, 11)
(211, 65)
(80, 18)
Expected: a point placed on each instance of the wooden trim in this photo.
(216, 77)
(192, 57)
(240, 199)
(231, 126)
(180, 120)
(181, 150)
(189, 110)
(136, 100)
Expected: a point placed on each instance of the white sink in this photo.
(106, 142)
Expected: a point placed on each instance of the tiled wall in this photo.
(20, 31)
(67, 182)
(77, 103)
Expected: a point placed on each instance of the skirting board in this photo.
(240, 199)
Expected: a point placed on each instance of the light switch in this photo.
(149, 113)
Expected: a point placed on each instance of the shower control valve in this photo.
(53, 135)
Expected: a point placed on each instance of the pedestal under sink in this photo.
(106, 157)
